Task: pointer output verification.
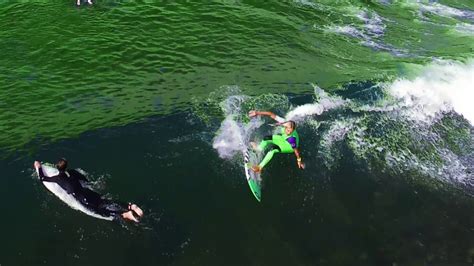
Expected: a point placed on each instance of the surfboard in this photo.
(69, 199)
(253, 178)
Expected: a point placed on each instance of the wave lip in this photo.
(444, 86)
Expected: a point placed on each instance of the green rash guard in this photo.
(284, 144)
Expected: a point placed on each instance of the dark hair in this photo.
(61, 164)
(293, 124)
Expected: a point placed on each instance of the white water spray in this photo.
(325, 103)
(442, 87)
(233, 134)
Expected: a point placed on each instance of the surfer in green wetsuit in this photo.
(286, 142)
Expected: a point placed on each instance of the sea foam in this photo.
(443, 86)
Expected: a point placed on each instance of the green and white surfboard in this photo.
(252, 178)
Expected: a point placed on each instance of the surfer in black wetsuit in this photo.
(72, 181)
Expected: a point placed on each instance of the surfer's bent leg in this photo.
(265, 142)
(111, 207)
(267, 158)
(268, 142)
(127, 211)
(105, 207)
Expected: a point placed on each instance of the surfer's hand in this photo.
(253, 113)
(37, 164)
(300, 165)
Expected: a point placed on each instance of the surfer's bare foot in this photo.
(256, 169)
(137, 210)
(129, 216)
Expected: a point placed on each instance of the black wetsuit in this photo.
(69, 180)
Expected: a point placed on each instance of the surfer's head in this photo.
(289, 127)
(61, 164)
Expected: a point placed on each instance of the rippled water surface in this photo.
(76, 69)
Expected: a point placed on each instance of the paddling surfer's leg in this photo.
(127, 211)
(133, 213)
(105, 207)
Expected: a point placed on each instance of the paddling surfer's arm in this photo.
(254, 113)
(43, 176)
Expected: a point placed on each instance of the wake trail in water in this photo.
(324, 103)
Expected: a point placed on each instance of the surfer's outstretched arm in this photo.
(254, 113)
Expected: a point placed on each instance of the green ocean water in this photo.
(117, 62)
(150, 97)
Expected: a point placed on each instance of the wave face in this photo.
(117, 63)
(420, 126)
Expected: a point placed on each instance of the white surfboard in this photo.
(62, 194)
